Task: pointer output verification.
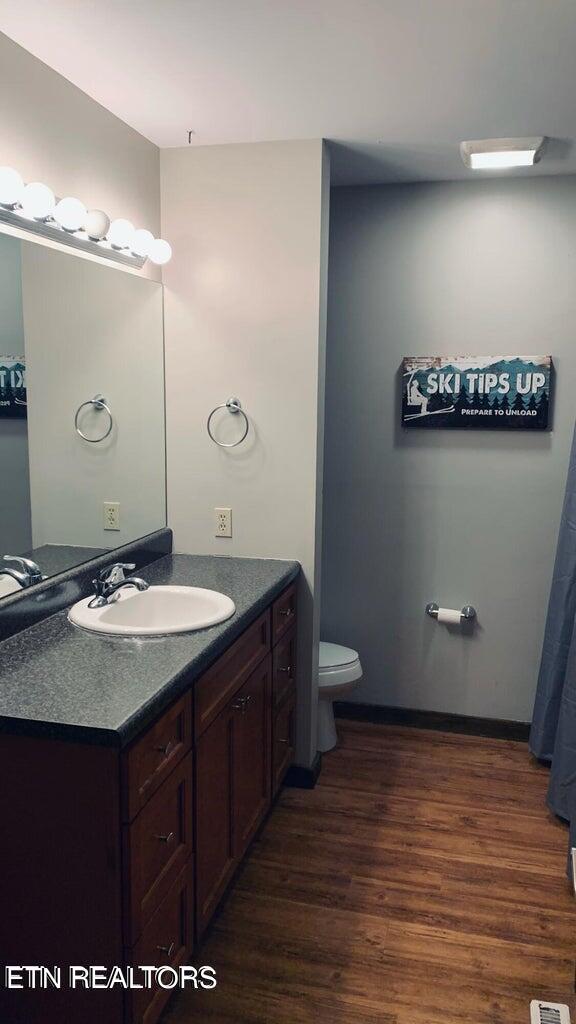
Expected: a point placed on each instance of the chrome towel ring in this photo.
(98, 403)
(234, 406)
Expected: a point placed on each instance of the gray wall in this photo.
(457, 268)
(15, 528)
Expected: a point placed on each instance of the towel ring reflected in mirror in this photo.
(234, 406)
(99, 404)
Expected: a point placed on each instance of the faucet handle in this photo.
(27, 566)
(115, 573)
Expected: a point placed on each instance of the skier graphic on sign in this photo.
(415, 398)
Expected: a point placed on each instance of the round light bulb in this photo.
(96, 224)
(160, 252)
(142, 242)
(11, 187)
(38, 201)
(70, 214)
(121, 233)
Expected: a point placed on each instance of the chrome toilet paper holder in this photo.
(468, 613)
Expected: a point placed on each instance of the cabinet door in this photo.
(215, 859)
(282, 744)
(251, 737)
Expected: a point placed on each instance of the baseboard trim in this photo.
(495, 728)
(299, 777)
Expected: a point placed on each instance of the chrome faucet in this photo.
(27, 573)
(110, 581)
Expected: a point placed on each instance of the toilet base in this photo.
(327, 735)
(339, 673)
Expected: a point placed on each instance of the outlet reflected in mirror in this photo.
(82, 445)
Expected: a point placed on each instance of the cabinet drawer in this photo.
(166, 940)
(219, 683)
(282, 744)
(152, 757)
(158, 844)
(283, 613)
(284, 669)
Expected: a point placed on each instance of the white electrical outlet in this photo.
(111, 512)
(222, 522)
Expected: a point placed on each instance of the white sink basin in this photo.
(8, 585)
(155, 611)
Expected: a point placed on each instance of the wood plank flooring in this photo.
(421, 882)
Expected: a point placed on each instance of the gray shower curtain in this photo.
(553, 732)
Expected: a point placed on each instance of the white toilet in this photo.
(339, 671)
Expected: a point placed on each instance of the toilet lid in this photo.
(333, 655)
(337, 666)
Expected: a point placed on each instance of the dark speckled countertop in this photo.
(61, 681)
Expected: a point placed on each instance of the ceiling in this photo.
(394, 84)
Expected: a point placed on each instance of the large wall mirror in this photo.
(71, 331)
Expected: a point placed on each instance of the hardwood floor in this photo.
(421, 882)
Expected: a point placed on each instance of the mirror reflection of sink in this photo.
(154, 612)
(8, 585)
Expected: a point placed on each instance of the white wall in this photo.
(15, 526)
(453, 517)
(53, 132)
(91, 330)
(244, 317)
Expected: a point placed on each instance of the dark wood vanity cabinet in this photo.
(251, 742)
(122, 858)
(215, 860)
(283, 685)
(282, 743)
(233, 787)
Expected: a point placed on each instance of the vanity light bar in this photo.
(34, 206)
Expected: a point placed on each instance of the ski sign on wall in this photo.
(12, 387)
(476, 392)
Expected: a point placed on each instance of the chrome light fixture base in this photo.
(76, 240)
(34, 207)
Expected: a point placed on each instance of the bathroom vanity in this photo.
(135, 774)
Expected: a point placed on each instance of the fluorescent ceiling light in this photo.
(486, 161)
(500, 154)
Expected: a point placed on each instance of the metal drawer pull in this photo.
(165, 839)
(167, 949)
(287, 670)
(287, 742)
(165, 750)
(287, 612)
(242, 703)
